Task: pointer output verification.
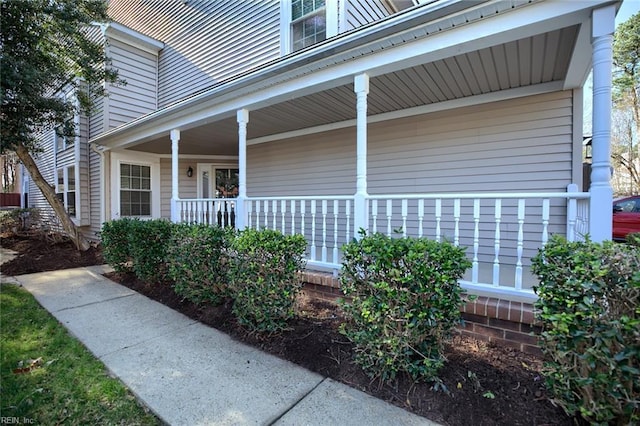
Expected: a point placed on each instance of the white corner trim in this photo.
(331, 10)
(419, 110)
(285, 27)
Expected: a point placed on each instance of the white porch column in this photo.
(600, 214)
(243, 119)
(361, 203)
(175, 140)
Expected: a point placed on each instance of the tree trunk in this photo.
(49, 193)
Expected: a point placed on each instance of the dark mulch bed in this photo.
(40, 252)
(487, 385)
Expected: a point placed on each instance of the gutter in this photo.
(359, 37)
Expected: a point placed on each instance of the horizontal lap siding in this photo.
(520, 145)
(94, 191)
(46, 164)
(320, 164)
(138, 96)
(362, 12)
(206, 42)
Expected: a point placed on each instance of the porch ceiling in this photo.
(542, 58)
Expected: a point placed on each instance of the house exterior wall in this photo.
(137, 97)
(45, 160)
(206, 42)
(518, 145)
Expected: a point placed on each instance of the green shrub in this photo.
(589, 308)
(264, 271)
(405, 301)
(148, 241)
(633, 239)
(116, 248)
(197, 262)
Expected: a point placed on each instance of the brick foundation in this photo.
(502, 322)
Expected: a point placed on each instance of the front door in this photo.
(217, 182)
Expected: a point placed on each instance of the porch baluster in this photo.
(249, 205)
(545, 221)
(336, 208)
(265, 207)
(389, 214)
(496, 259)
(324, 231)
(283, 209)
(420, 216)
(476, 240)
(572, 210)
(274, 213)
(348, 235)
(303, 210)
(520, 246)
(374, 215)
(257, 215)
(201, 218)
(313, 229)
(438, 217)
(405, 208)
(293, 217)
(456, 220)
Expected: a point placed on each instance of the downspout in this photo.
(105, 196)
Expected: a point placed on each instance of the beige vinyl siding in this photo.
(138, 97)
(83, 185)
(96, 121)
(46, 164)
(95, 178)
(206, 42)
(362, 12)
(520, 145)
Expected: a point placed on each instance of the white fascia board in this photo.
(223, 101)
(126, 35)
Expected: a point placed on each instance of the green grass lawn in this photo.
(68, 384)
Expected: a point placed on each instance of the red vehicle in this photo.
(626, 217)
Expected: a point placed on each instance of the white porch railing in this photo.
(502, 231)
(325, 221)
(209, 211)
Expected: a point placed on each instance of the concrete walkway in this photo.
(191, 374)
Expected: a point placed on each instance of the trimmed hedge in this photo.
(139, 246)
(197, 262)
(589, 308)
(404, 301)
(264, 277)
(149, 241)
(116, 245)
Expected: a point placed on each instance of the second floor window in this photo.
(308, 23)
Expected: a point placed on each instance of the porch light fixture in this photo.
(189, 172)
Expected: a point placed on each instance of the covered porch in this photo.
(455, 123)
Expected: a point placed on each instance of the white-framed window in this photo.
(135, 190)
(62, 142)
(66, 188)
(308, 23)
